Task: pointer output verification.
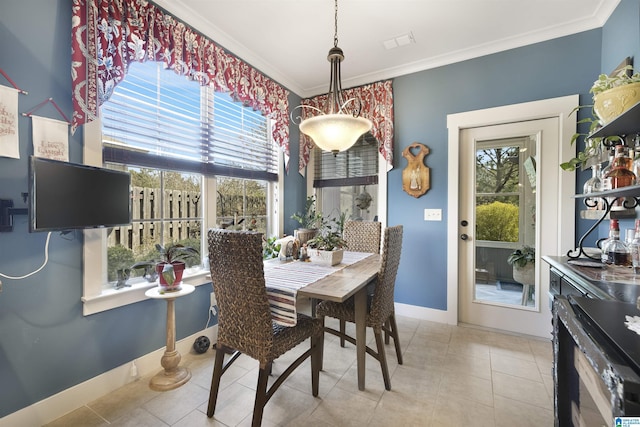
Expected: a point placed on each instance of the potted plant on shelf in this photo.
(326, 248)
(310, 221)
(171, 268)
(612, 94)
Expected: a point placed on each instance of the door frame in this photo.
(555, 107)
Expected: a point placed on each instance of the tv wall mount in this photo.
(7, 211)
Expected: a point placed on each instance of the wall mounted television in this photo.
(64, 196)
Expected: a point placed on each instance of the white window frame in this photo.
(96, 297)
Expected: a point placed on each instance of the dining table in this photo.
(290, 283)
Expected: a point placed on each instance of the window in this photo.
(347, 183)
(197, 160)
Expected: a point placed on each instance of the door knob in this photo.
(464, 236)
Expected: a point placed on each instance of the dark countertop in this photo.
(608, 282)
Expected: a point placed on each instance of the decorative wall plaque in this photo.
(415, 177)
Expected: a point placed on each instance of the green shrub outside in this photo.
(497, 222)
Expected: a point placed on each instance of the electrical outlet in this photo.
(433, 214)
(214, 302)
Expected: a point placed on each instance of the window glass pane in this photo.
(242, 204)
(166, 210)
(355, 202)
(498, 193)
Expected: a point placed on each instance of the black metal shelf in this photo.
(627, 123)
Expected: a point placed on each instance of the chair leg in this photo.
(316, 362)
(396, 339)
(261, 395)
(382, 358)
(343, 331)
(215, 382)
(386, 334)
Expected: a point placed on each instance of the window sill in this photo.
(112, 298)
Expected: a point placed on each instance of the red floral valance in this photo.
(377, 106)
(108, 35)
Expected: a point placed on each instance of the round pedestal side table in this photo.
(173, 376)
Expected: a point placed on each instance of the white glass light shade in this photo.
(335, 132)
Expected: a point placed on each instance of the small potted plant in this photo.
(523, 262)
(171, 268)
(326, 248)
(310, 221)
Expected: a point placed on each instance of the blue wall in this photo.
(47, 345)
(422, 101)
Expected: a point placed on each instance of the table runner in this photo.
(283, 279)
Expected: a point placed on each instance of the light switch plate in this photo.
(433, 214)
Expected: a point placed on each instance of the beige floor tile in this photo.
(139, 417)
(398, 409)
(344, 408)
(450, 411)
(466, 387)
(511, 413)
(515, 366)
(522, 390)
(171, 406)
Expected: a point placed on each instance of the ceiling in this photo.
(288, 40)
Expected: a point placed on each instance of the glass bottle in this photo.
(594, 184)
(634, 249)
(615, 251)
(606, 169)
(620, 174)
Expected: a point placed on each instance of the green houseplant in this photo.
(310, 221)
(327, 247)
(612, 95)
(170, 268)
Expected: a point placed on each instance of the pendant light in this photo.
(339, 129)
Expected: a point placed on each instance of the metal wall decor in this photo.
(416, 177)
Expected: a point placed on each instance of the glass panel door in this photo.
(505, 213)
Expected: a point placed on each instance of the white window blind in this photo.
(156, 118)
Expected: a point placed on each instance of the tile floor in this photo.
(452, 375)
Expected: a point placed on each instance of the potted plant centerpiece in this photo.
(171, 268)
(310, 221)
(612, 94)
(326, 248)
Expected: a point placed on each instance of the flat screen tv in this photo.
(65, 196)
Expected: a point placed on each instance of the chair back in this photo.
(237, 272)
(382, 303)
(362, 236)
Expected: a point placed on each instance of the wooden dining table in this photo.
(340, 284)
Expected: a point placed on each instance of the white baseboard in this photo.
(62, 403)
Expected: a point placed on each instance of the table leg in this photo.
(173, 375)
(360, 300)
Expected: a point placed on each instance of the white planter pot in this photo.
(525, 275)
(325, 257)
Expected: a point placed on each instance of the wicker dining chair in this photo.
(380, 308)
(244, 320)
(362, 236)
